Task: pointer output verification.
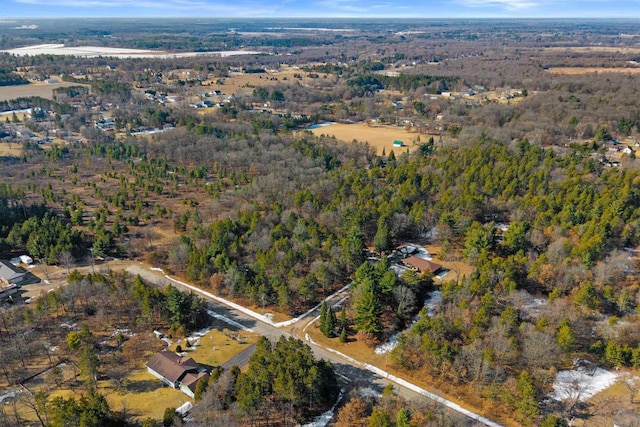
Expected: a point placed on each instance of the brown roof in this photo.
(190, 380)
(171, 365)
(422, 264)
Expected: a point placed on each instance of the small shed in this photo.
(398, 143)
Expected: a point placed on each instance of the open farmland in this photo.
(590, 70)
(43, 90)
(246, 82)
(113, 52)
(379, 137)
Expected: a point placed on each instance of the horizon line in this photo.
(399, 17)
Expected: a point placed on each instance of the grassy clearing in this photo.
(379, 137)
(590, 70)
(246, 82)
(11, 149)
(614, 400)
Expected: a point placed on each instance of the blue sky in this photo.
(322, 8)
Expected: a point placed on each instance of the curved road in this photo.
(351, 372)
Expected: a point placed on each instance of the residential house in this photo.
(11, 274)
(179, 372)
(421, 265)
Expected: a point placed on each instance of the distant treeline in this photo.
(35, 102)
(371, 82)
(8, 78)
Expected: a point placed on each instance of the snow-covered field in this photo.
(114, 52)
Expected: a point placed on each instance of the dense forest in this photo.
(281, 385)
(522, 179)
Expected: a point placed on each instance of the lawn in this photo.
(215, 347)
(143, 395)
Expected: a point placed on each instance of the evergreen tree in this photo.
(565, 337)
(343, 318)
(380, 418)
(526, 403)
(327, 320)
(201, 388)
(368, 309)
(403, 419)
(332, 321)
(352, 246)
(343, 335)
(382, 239)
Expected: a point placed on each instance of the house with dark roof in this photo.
(11, 274)
(179, 372)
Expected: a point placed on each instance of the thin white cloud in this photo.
(159, 7)
(348, 6)
(506, 4)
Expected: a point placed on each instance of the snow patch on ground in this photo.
(386, 347)
(581, 383)
(368, 392)
(534, 305)
(125, 332)
(68, 325)
(323, 420)
(422, 253)
(308, 338)
(162, 337)
(431, 234)
(194, 338)
(431, 303)
(229, 321)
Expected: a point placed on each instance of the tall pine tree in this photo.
(368, 309)
(328, 320)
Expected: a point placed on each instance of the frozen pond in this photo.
(319, 125)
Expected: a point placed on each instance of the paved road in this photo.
(240, 359)
(351, 376)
